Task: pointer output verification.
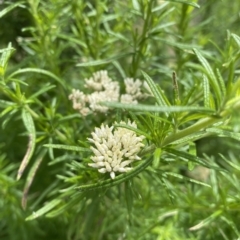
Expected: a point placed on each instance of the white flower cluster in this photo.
(133, 91)
(105, 89)
(115, 150)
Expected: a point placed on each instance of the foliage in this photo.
(186, 185)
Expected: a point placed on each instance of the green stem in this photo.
(192, 129)
(201, 124)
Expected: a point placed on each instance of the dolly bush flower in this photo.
(115, 149)
(133, 91)
(79, 100)
(104, 89)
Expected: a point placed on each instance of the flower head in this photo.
(115, 150)
(133, 91)
(104, 89)
(79, 100)
(99, 81)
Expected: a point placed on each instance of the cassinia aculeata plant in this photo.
(114, 149)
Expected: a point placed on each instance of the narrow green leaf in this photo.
(233, 165)
(67, 147)
(9, 8)
(188, 157)
(31, 176)
(72, 39)
(236, 39)
(118, 179)
(189, 95)
(64, 158)
(136, 5)
(222, 83)
(103, 61)
(191, 137)
(193, 4)
(4, 103)
(176, 98)
(50, 150)
(37, 70)
(185, 178)
(160, 6)
(43, 89)
(232, 224)
(157, 94)
(44, 209)
(153, 108)
(157, 157)
(170, 189)
(6, 53)
(65, 206)
(159, 28)
(178, 45)
(206, 221)
(9, 117)
(192, 151)
(224, 133)
(7, 110)
(29, 124)
(206, 91)
(210, 74)
(129, 196)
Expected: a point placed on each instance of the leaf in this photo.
(192, 151)
(157, 157)
(37, 70)
(236, 39)
(206, 221)
(206, 90)
(160, 7)
(72, 39)
(178, 45)
(43, 89)
(4, 103)
(191, 137)
(224, 133)
(29, 124)
(103, 61)
(6, 54)
(129, 196)
(153, 108)
(31, 176)
(188, 157)
(159, 28)
(65, 206)
(222, 83)
(185, 178)
(210, 74)
(189, 95)
(7, 110)
(44, 209)
(67, 147)
(158, 94)
(185, 2)
(233, 165)
(10, 8)
(232, 224)
(118, 179)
